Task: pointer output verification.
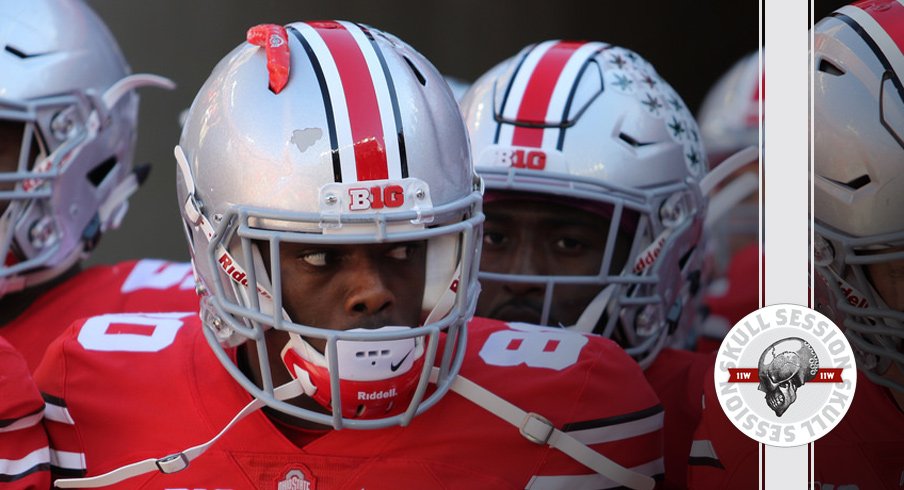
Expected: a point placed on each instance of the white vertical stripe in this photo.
(13, 467)
(878, 34)
(23, 422)
(519, 84)
(57, 413)
(67, 460)
(384, 100)
(337, 98)
(785, 189)
(759, 468)
(563, 87)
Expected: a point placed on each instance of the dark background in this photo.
(690, 44)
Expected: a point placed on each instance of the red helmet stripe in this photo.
(883, 23)
(539, 91)
(889, 15)
(361, 100)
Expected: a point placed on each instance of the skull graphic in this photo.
(784, 367)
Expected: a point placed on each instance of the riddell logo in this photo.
(237, 275)
(648, 256)
(43, 166)
(361, 198)
(376, 395)
(854, 298)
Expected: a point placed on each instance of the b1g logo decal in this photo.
(531, 159)
(361, 198)
(785, 375)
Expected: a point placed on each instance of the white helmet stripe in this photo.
(564, 90)
(542, 90)
(878, 25)
(327, 104)
(340, 119)
(512, 101)
(382, 84)
(362, 107)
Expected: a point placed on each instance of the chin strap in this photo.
(730, 196)
(728, 166)
(593, 312)
(177, 461)
(537, 429)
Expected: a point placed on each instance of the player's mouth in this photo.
(518, 311)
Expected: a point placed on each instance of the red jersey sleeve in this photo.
(147, 285)
(678, 377)
(24, 454)
(94, 374)
(721, 456)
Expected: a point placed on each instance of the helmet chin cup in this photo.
(376, 378)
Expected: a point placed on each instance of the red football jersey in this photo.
(24, 455)
(144, 286)
(163, 391)
(677, 378)
(731, 298)
(864, 451)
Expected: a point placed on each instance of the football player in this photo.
(68, 122)
(729, 122)
(334, 219)
(593, 167)
(68, 126)
(858, 124)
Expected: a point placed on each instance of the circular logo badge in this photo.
(785, 375)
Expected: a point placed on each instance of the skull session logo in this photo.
(785, 375)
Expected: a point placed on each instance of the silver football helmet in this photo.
(592, 123)
(729, 115)
(355, 139)
(858, 138)
(459, 86)
(729, 120)
(68, 116)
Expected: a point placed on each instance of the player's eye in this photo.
(493, 239)
(569, 245)
(402, 252)
(315, 258)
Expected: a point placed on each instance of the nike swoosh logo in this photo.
(395, 367)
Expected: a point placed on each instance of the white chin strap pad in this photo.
(594, 311)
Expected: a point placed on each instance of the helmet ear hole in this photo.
(99, 173)
(827, 66)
